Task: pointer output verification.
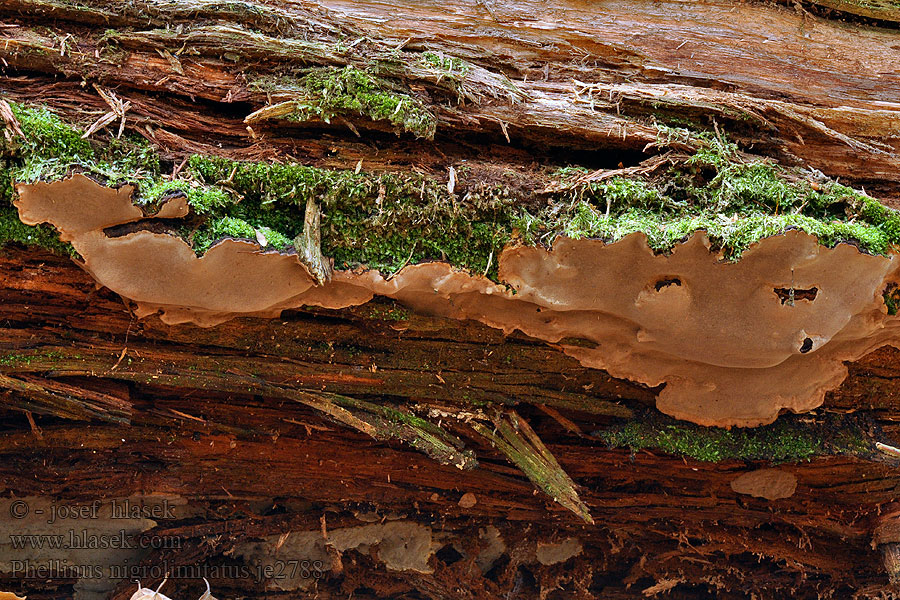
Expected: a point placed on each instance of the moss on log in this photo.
(442, 132)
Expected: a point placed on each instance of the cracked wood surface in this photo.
(803, 88)
(122, 406)
(200, 427)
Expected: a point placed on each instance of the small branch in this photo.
(384, 422)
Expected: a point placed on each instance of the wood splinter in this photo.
(309, 245)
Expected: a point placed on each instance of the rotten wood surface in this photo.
(96, 404)
(817, 90)
(260, 464)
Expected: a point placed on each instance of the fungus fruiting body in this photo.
(733, 342)
(771, 484)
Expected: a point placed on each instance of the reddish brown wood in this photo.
(97, 404)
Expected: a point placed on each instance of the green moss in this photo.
(206, 200)
(789, 439)
(325, 93)
(446, 65)
(48, 145)
(393, 312)
(232, 227)
(276, 239)
(387, 220)
(716, 152)
(51, 148)
(382, 221)
(44, 236)
(47, 134)
(891, 297)
(222, 228)
(736, 202)
(731, 234)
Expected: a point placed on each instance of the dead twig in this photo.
(117, 110)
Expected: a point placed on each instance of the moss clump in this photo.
(446, 65)
(50, 149)
(387, 220)
(48, 145)
(44, 236)
(730, 233)
(788, 439)
(231, 227)
(325, 93)
(891, 297)
(46, 134)
(381, 221)
(736, 201)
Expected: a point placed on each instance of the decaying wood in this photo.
(207, 424)
(575, 76)
(307, 423)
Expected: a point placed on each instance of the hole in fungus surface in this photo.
(891, 295)
(664, 283)
(806, 346)
(790, 295)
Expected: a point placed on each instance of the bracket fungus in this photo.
(771, 484)
(733, 342)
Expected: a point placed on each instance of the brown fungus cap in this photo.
(734, 343)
